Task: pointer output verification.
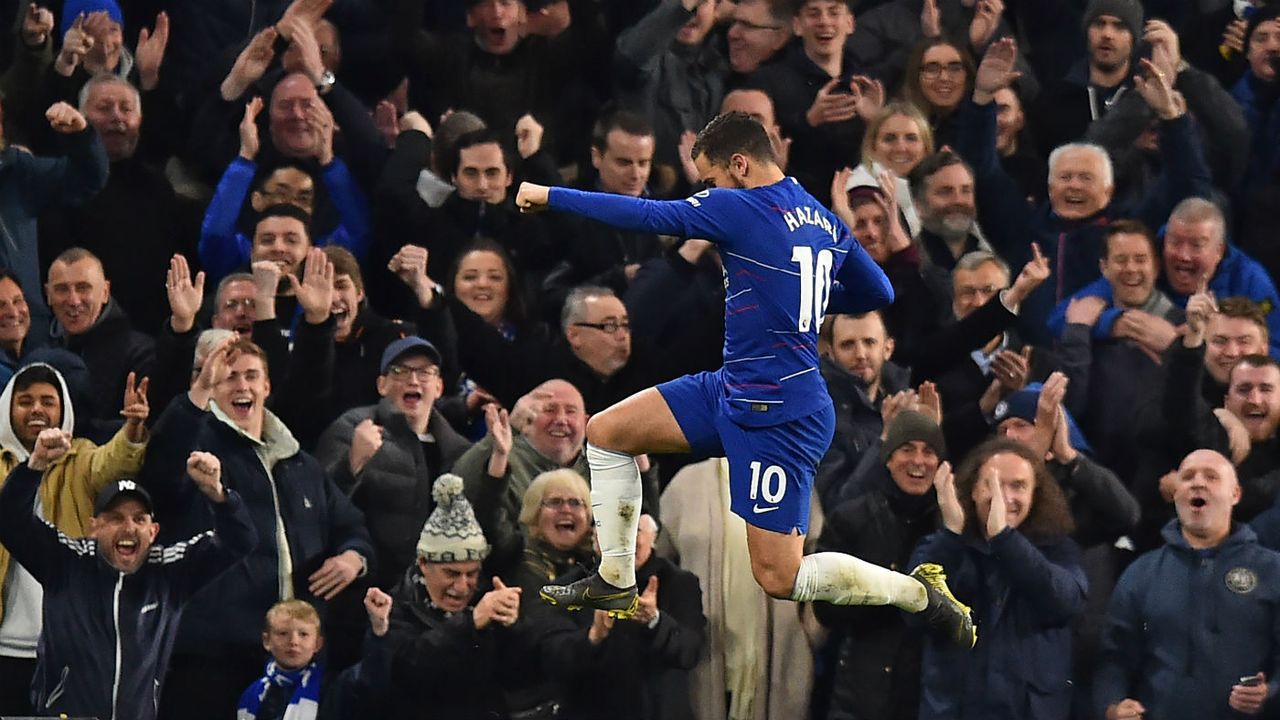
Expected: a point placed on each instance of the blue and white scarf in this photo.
(305, 703)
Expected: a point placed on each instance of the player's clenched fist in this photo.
(532, 198)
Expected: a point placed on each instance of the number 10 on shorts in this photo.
(771, 486)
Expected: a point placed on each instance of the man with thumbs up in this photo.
(590, 654)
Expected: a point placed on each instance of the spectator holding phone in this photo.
(1192, 628)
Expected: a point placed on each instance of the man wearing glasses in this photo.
(758, 30)
(386, 456)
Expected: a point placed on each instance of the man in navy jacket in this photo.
(1192, 629)
(112, 600)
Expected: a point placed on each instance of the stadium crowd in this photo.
(294, 397)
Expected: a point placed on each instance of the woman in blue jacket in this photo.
(1005, 545)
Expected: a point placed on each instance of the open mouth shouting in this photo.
(126, 549)
(411, 400)
(242, 406)
(1184, 274)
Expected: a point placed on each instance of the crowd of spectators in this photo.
(295, 399)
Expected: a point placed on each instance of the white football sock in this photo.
(845, 580)
(615, 505)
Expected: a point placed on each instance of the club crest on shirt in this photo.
(1241, 581)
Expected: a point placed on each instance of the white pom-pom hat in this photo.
(452, 533)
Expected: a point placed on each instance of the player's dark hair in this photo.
(613, 118)
(733, 133)
(472, 139)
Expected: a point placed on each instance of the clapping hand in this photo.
(1049, 415)
(249, 143)
(315, 290)
(500, 605)
(149, 54)
(647, 610)
(185, 296)
(997, 514)
(944, 482)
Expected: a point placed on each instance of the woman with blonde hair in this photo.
(897, 139)
(556, 516)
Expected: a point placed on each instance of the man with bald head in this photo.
(1193, 629)
(89, 323)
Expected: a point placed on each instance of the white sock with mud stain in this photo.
(615, 505)
(845, 580)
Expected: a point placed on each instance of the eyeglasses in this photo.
(560, 503)
(422, 374)
(236, 303)
(934, 69)
(750, 26)
(608, 326)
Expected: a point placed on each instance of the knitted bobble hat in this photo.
(452, 533)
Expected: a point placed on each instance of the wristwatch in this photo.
(326, 82)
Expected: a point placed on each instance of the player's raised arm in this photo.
(701, 216)
(733, 152)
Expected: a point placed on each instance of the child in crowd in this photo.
(290, 687)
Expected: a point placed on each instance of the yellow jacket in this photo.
(70, 484)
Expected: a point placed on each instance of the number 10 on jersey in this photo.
(815, 285)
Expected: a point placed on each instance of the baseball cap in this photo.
(107, 496)
(404, 346)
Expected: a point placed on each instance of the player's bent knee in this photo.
(776, 580)
(607, 430)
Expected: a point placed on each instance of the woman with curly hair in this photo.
(1006, 547)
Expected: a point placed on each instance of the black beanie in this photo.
(1261, 15)
(910, 425)
(1129, 12)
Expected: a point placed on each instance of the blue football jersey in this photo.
(786, 258)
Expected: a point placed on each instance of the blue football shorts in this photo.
(771, 468)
